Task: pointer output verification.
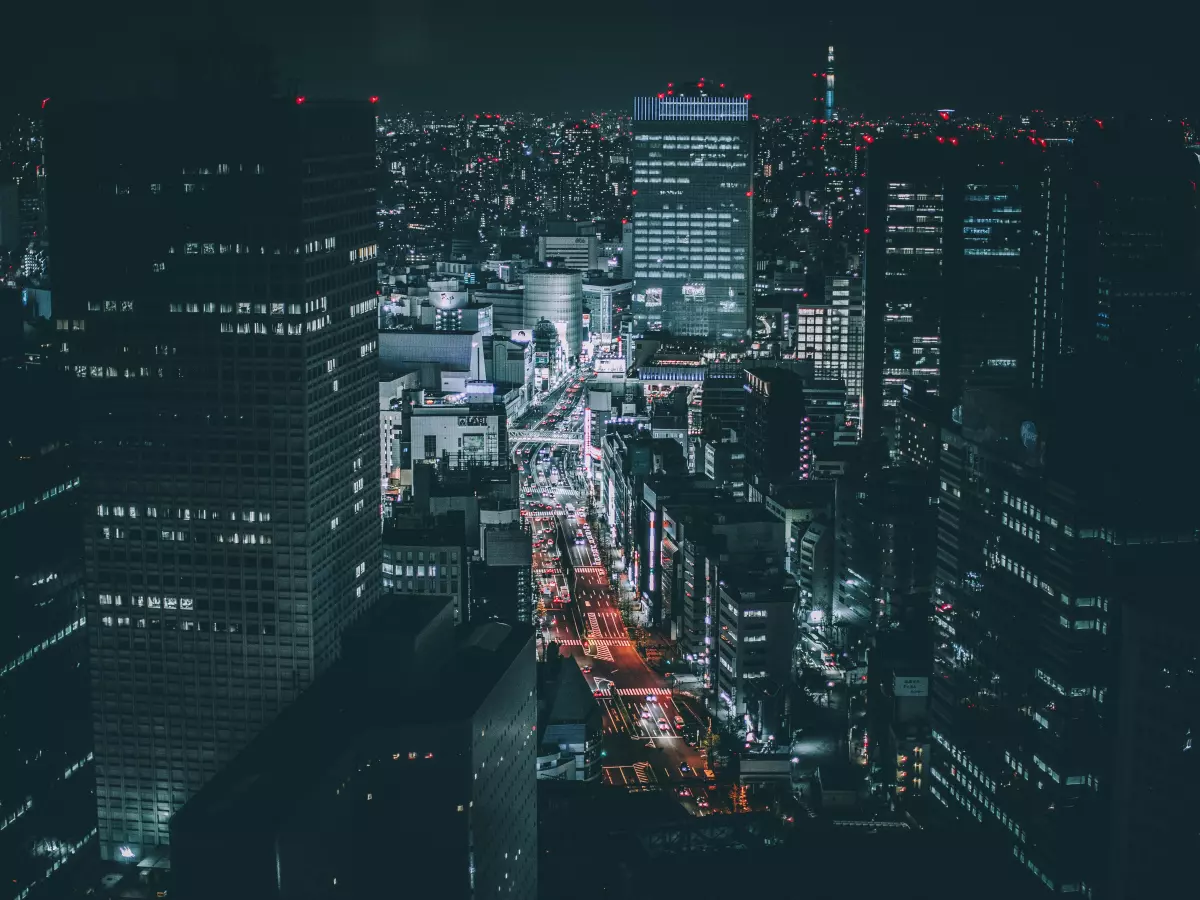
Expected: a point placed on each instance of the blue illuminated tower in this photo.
(830, 110)
(693, 211)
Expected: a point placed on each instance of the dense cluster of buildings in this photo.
(848, 443)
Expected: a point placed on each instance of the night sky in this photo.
(573, 54)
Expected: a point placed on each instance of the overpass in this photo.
(530, 435)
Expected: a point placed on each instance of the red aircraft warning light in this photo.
(374, 98)
(299, 100)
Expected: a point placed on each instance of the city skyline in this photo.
(413, 501)
(886, 60)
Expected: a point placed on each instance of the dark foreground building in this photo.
(214, 264)
(1062, 603)
(409, 769)
(47, 813)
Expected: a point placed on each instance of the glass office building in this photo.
(693, 211)
(218, 314)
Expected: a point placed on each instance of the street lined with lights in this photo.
(644, 719)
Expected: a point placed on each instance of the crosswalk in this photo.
(638, 775)
(596, 642)
(643, 692)
(591, 570)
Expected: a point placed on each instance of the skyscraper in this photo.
(832, 333)
(1044, 542)
(693, 211)
(47, 815)
(830, 109)
(1134, 219)
(964, 266)
(214, 261)
(778, 431)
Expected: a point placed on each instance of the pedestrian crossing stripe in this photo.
(595, 642)
(644, 692)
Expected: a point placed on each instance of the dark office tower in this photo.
(1157, 769)
(919, 428)
(1135, 267)
(885, 550)
(1037, 532)
(47, 814)
(693, 158)
(905, 279)
(964, 264)
(777, 428)
(409, 769)
(225, 365)
(502, 581)
(723, 401)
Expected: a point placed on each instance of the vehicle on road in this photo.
(662, 723)
(679, 721)
(645, 713)
(685, 769)
(586, 669)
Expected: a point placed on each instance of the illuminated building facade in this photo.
(832, 334)
(227, 392)
(830, 108)
(693, 211)
(556, 295)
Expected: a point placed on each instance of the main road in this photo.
(647, 725)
